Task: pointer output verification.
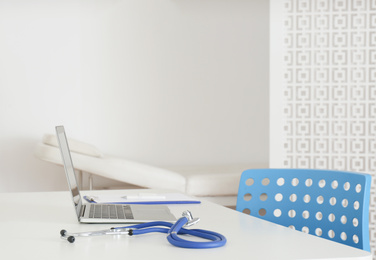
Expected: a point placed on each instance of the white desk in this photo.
(36, 235)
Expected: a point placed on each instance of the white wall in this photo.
(165, 82)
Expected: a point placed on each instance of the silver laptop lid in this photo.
(69, 169)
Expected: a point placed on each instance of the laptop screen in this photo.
(69, 169)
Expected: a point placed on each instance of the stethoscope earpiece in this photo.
(63, 234)
(71, 239)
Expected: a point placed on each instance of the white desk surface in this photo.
(34, 234)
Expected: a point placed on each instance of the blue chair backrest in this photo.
(329, 204)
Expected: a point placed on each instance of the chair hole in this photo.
(293, 197)
(280, 181)
(305, 230)
(262, 212)
(356, 205)
(305, 214)
(278, 197)
(295, 182)
(334, 185)
(318, 232)
(306, 198)
(247, 197)
(320, 199)
(249, 182)
(346, 186)
(265, 181)
(343, 219)
(292, 213)
(263, 197)
(355, 222)
(308, 182)
(331, 217)
(331, 234)
(355, 239)
(345, 203)
(277, 213)
(319, 215)
(332, 201)
(343, 236)
(292, 227)
(358, 188)
(247, 211)
(322, 183)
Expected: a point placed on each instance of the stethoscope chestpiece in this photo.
(190, 220)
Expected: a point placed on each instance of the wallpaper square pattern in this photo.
(329, 88)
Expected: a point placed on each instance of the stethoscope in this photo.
(172, 230)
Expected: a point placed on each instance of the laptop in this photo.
(106, 213)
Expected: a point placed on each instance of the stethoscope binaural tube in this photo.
(173, 231)
(71, 237)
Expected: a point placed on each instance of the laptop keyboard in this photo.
(110, 211)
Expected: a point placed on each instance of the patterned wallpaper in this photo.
(326, 87)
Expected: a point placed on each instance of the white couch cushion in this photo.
(117, 169)
(74, 146)
(212, 180)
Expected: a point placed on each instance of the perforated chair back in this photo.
(329, 204)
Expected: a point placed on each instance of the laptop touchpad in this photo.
(152, 212)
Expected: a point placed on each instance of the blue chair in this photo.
(329, 204)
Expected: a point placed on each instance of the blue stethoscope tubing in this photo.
(173, 231)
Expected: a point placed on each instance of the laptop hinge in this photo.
(83, 208)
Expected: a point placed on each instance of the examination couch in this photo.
(218, 184)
